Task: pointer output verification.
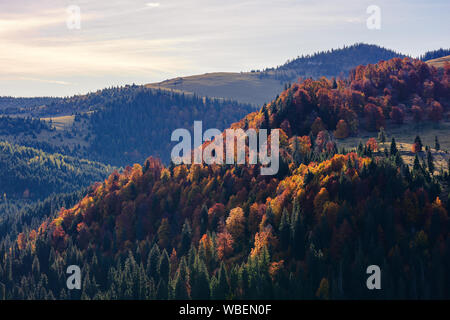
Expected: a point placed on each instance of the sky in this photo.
(46, 51)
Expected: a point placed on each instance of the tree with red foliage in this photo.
(372, 144)
(224, 244)
(374, 117)
(342, 130)
(322, 139)
(397, 115)
(215, 214)
(435, 111)
(417, 146)
(317, 126)
(417, 113)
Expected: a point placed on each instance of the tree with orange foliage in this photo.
(215, 214)
(255, 216)
(319, 201)
(317, 126)
(224, 244)
(435, 111)
(262, 240)
(236, 224)
(417, 146)
(374, 117)
(323, 292)
(342, 130)
(206, 248)
(21, 241)
(372, 144)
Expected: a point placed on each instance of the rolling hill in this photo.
(118, 126)
(439, 62)
(259, 87)
(85, 125)
(227, 232)
(245, 87)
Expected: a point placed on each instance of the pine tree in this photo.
(162, 291)
(284, 230)
(164, 267)
(393, 150)
(164, 233)
(437, 146)
(199, 281)
(382, 135)
(180, 291)
(266, 120)
(153, 263)
(360, 149)
(297, 232)
(430, 162)
(416, 166)
(223, 288)
(203, 220)
(418, 144)
(186, 237)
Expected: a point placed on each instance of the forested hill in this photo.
(199, 232)
(45, 107)
(435, 54)
(396, 91)
(331, 63)
(117, 126)
(27, 173)
(131, 127)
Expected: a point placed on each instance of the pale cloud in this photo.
(153, 4)
(64, 83)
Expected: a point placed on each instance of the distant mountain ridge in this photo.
(331, 63)
(262, 86)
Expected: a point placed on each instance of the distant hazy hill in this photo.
(118, 126)
(245, 87)
(262, 86)
(12, 105)
(331, 63)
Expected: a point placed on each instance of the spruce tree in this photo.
(153, 263)
(186, 237)
(284, 230)
(430, 161)
(437, 146)
(393, 150)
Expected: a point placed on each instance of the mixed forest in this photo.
(156, 231)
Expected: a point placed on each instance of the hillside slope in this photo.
(27, 173)
(244, 87)
(227, 232)
(259, 87)
(118, 126)
(439, 62)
